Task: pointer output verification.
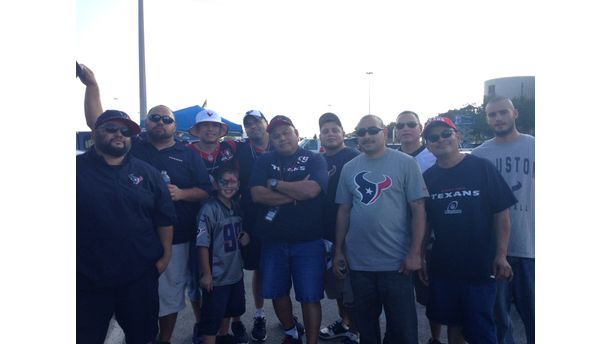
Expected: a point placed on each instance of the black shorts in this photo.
(251, 254)
(135, 305)
(222, 302)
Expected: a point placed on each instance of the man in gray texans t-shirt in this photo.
(382, 193)
(513, 153)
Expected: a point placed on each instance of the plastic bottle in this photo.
(165, 176)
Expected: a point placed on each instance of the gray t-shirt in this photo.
(516, 163)
(224, 224)
(379, 191)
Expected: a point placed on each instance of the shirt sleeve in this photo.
(500, 195)
(164, 213)
(343, 194)
(200, 173)
(415, 187)
(205, 226)
(259, 176)
(318, 171)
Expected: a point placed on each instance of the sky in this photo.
(298, 59)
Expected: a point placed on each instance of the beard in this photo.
(108, 148)
(504, 132)
(159, 136)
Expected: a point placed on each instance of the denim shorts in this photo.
(468, 305)
(301, 263)
(226, 301)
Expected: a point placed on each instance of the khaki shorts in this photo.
(173, 281)
(336, 288)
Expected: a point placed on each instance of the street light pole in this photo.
(369, 74)
(141, 63)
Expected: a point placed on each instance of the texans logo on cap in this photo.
(370, 191)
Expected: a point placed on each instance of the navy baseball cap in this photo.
(116, 115)
(329, 117)
(279, 120)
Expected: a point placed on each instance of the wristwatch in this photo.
(273, 184)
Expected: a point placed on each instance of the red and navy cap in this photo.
(278, 120)
(434, 121)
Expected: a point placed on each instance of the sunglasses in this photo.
(371, 130)
(113, 128)
(156, 118)
(443, 135)
(401, 125)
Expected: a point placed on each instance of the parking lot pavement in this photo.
(184, 325)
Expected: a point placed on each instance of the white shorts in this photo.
(173, 281)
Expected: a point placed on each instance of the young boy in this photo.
(219, 236)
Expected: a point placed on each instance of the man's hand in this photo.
(502, 269)
(412, 262)
(340, 265)
(175, 192)
(244, 238)
(206, 282)
(87, 77)
(162, 263)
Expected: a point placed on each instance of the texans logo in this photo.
(331, 171)
(370, 191)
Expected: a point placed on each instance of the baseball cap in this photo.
(255, 113)
(116, 115)
(278, 120)
(329, 117)
(432, 122)
(207, 115)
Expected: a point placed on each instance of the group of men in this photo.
(371, 211)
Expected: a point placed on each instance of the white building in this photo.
(511, 87)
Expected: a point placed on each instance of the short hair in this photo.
(499, 99)
(407, 112)
(225, 169)
(378, 119)
(160, 106)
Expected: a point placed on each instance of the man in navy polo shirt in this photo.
(124, 235)
(189, 184)
(289, 182)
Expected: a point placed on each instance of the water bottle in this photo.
(165, 176)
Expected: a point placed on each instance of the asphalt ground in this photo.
(184, 325)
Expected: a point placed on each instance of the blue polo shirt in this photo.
(186, 170)
(299, 221)
(118, 211)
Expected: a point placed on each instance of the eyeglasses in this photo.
(156, 118)
(444, 135)
(113, 128)
(371, 130)
(401, 125)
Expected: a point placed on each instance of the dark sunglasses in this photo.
(113, 128)
(401, 125)
(443, 135)
(166, 119)
(371, 130)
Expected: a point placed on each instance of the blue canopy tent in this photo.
(185, 119)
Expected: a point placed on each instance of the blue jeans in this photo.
(521, 290)
(395, 291)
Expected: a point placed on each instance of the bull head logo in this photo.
(370, 191)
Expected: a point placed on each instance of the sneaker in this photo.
(239, 332)
(195, 338)
(300, 327)
(290, 340)
(350, 338)
(258, 333)
(333, 330)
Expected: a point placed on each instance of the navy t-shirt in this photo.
(299, 221)
(186, 170)
(330, 207)
(460, 209)
(118, 210)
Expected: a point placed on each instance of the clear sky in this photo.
(299, 59)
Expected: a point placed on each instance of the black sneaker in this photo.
(299, 326)
(333, 330)
(258, 333)
(239, 332)
(290, 340)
